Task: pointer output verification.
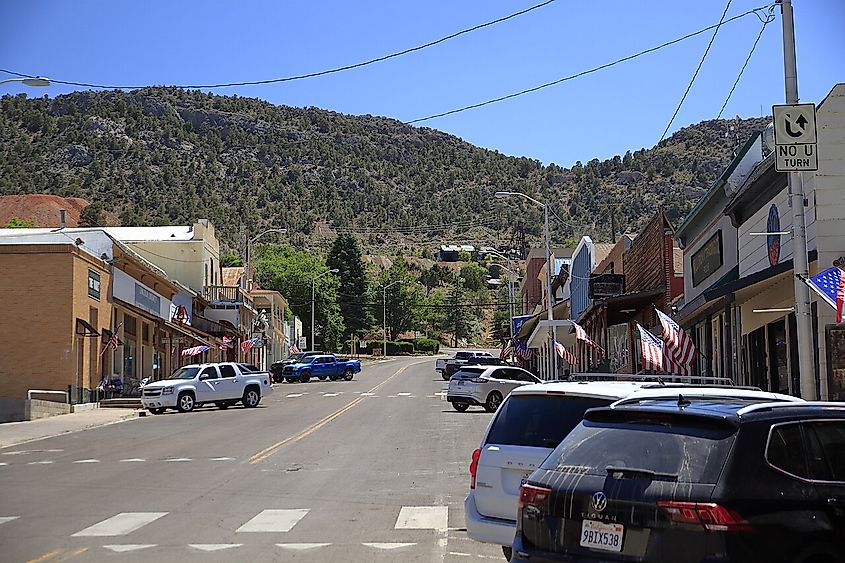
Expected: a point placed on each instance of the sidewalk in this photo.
(14, 433)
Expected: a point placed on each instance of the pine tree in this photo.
(345, 256)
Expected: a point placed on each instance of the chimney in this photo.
(62, 222)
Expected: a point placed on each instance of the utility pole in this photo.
(549, 294)
(803, 310)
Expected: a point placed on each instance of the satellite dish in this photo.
(769, 137)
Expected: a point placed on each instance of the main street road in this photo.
(369, 470)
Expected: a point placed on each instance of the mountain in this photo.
(163, 155)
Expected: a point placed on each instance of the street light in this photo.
(313, 292)
(384, 316)
(249, 249)
(37, 81)
(549, 296)
(511, 275)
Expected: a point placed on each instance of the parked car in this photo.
(485, 386)
(223, 384)
(691, 480)
(461, 357)
(276, 367)
(453, 366)
(322, 367)
(530, 423)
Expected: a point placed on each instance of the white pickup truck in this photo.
(223, 384)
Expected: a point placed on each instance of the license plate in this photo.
(598, 535)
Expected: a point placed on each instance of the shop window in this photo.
(835, 344)
(795, 367)
(129, 325)
(778, 364)
(145, 332)
(757, 359)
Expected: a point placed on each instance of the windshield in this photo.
(686, 453)
(187, 372)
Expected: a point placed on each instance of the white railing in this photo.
(48, 392)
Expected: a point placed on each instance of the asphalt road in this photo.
(369, 470)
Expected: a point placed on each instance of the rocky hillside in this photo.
(158, 155)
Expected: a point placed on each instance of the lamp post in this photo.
(384, 316)
(511, 275)
(36, 82)
(313, 294)
(549, 296)
(249, 250)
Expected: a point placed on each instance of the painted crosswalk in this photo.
(274, 520)
(423, 518)
(120, 524)
(4, 519)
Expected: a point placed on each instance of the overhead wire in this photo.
(310, 74)
(586, 72)
(697, 70)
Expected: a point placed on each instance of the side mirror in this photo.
(204, 377)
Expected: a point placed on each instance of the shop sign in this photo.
(127, 289)
(93, 285)
(603, 286)
(707, 259)
(773, 239)
(146, 299)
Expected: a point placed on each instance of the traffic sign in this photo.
(795, 137)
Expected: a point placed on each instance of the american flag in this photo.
(522, 351)
(227, 343)
(565, 354)
(581, 334)
(113, 341)
(247, 345)
(678, 350)
(830, 285)
(506, 350)
(294, 349)
(652, 349)
(194, 351)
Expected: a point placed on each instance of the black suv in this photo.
(691, 481)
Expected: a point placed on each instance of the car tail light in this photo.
(477, 380)
(713, 517)
(537, 497)
(473, 466)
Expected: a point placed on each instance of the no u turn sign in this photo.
(795, 137)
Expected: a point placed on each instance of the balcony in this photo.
(225, 293)
(214, 328)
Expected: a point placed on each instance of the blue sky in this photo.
(600, 115)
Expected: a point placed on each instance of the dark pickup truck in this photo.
(277, 367)
(323, 367)
(453, 366)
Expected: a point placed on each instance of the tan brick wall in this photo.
(45, 288)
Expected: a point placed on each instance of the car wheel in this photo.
(222, 406)
(508, 551)
(494, 399)
(158, 410)
(322, 377)
(186, 402)
(305, 377)
(348, 374)
(251, 397)
(460, 406)
(444, 376)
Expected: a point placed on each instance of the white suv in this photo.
(531, 422)
(485, 386)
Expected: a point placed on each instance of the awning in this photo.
(84, 328)
(563, 328)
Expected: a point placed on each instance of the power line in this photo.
(585, 72)
(769, 19)
(311, 74)
(695, 74)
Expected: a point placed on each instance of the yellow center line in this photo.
(270, 450)
(67, 556)
(46, 557)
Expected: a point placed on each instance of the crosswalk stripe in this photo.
(302, 546)
(330, 394)
(403, 394)
(47, 462)
(4, 519)
(274, 520)
(378, 545)
(423, 518)
(133, 459)
(122, 548)
(369, 395)
(178, 459)
(222, 459)
(3, 463)
(120, 524)
(214, 546)
(87, 461)
(293, 395)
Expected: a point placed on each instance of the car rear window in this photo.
(468, 373)
(540, 421)
(670, 450)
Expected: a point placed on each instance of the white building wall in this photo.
(729, 256)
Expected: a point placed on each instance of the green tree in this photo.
(92, 215)
(15, 223)
(355, 305)
(229, 260)
(459, 317)
(403, 298)
(291, 273)
(472, 277)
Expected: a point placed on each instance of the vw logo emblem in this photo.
(599, 501)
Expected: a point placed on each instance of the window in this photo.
(826, 441)
(227, 371)
(785, 450)
(209, 373)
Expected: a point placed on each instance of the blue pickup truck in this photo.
(322, 367)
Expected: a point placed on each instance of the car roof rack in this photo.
(662, 379)
(782, 404)
(694, 392)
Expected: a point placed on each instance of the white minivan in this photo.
(531, 422)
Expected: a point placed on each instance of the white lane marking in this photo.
(273, 520)
(423, 518)
(4, 519)
(330, 394)
(222, 459)
(178, 459)
(3, 463)
(403, 394)
(122, 548)
(87, 461)
(462, 554)
(293, 395)
(214, 546)
(368, 395)
(302, 546)
(22, 452)
(39, 462)
(133, 459)
(388, 545)
(120, 524)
